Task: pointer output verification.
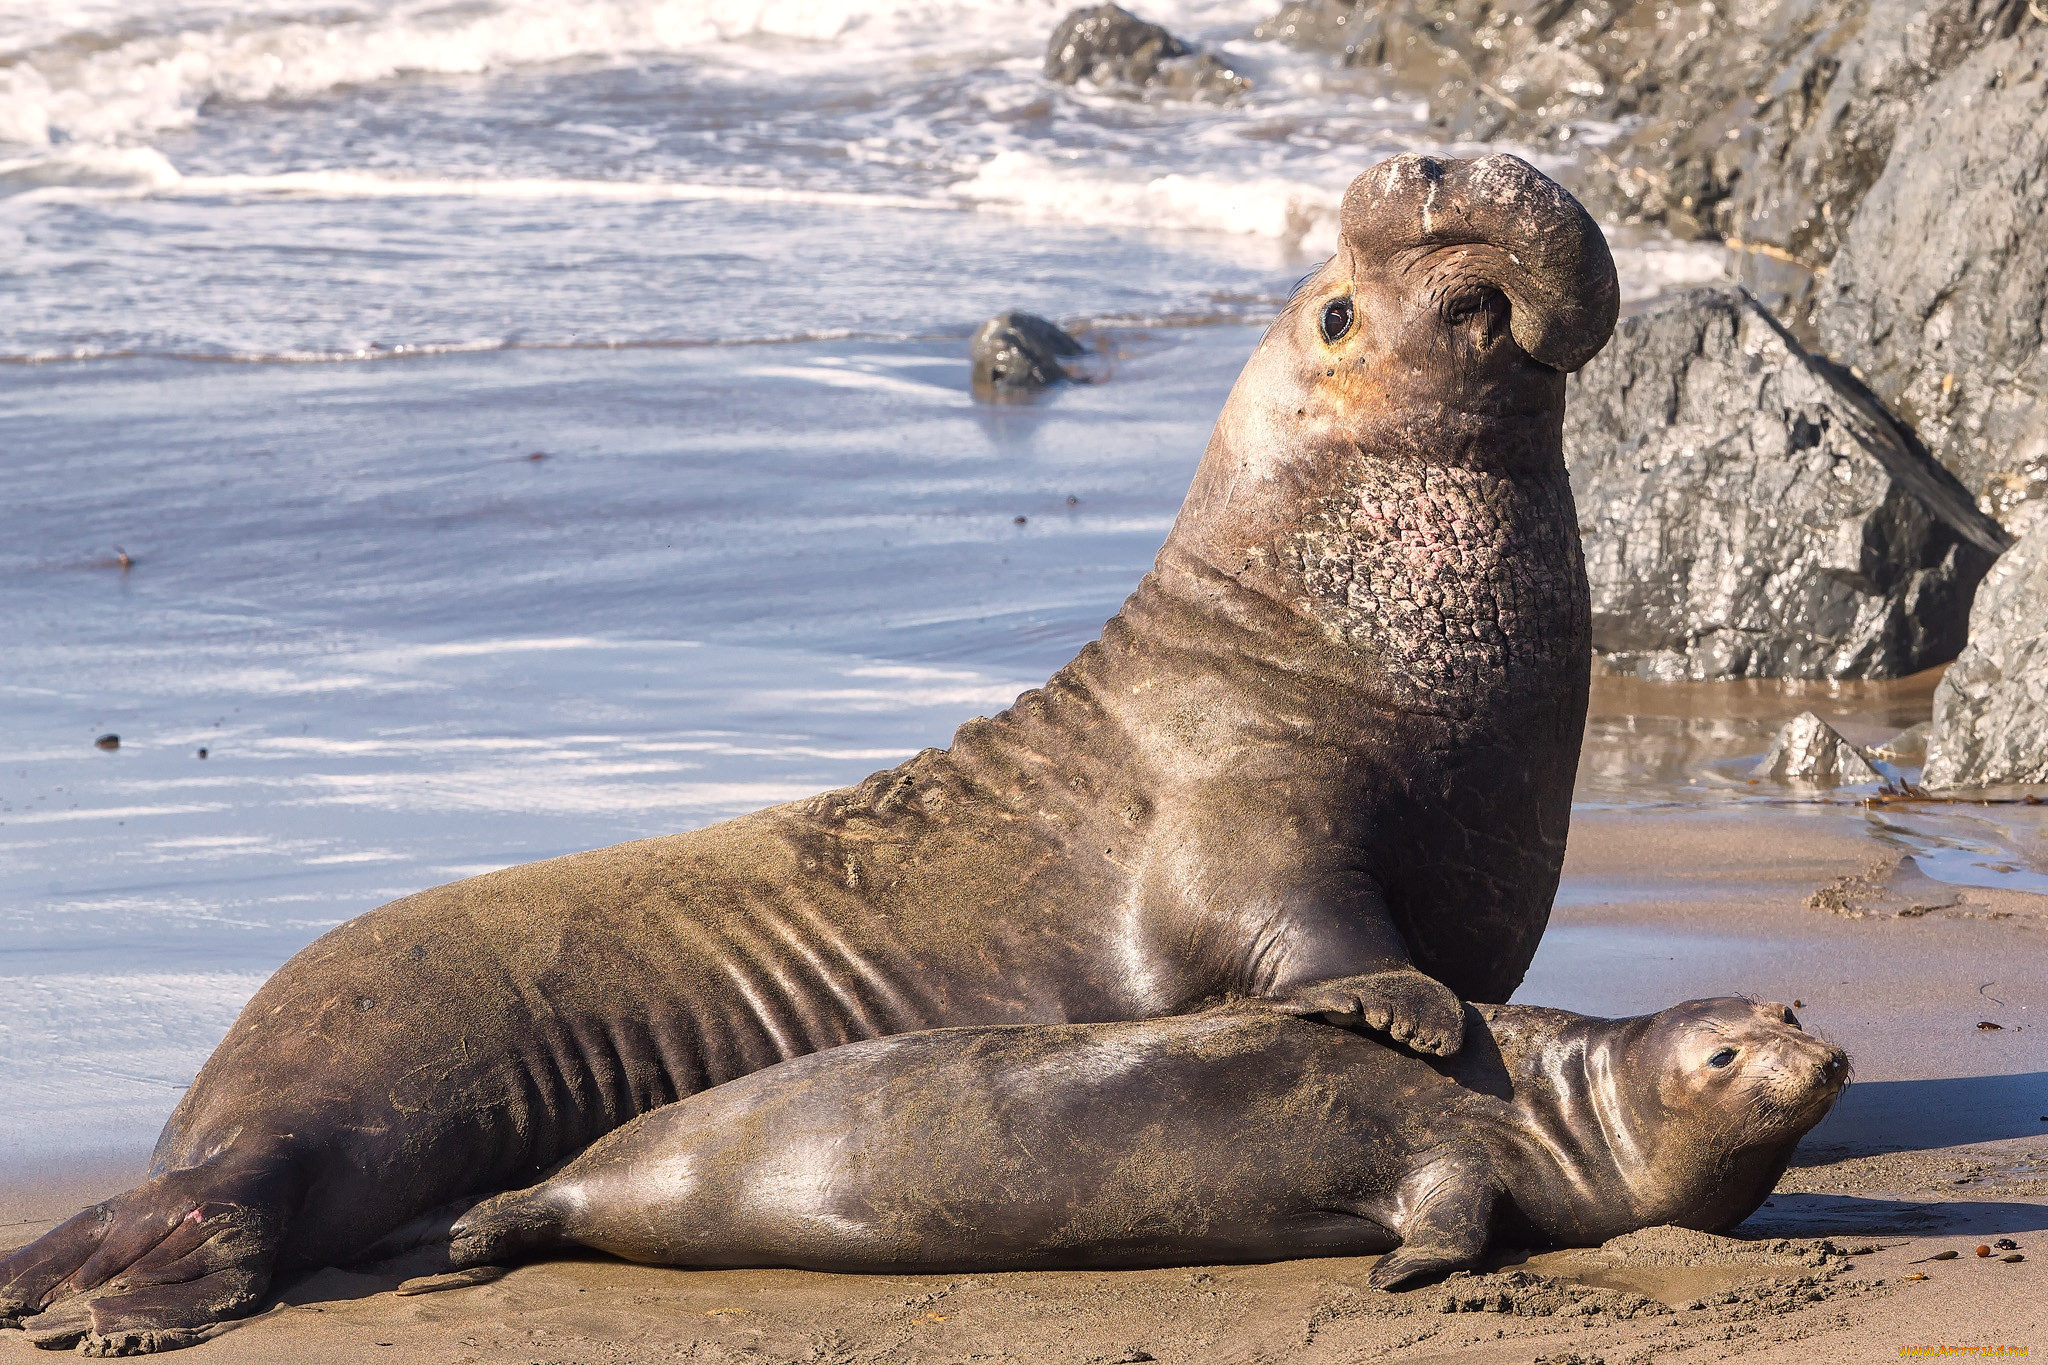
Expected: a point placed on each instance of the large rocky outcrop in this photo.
(1991, 707)
(1762, 120)
(1747, 514)
(1108, 46)
(1940, 296)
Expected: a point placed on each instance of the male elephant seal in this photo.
(1226, 1136)
(1324, 754)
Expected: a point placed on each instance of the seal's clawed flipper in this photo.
(1402, 1003)
(1450, 1226)
(153, 1269)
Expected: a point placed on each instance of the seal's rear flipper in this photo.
(505, 1229)
(156, 1268)
(1450, 1226)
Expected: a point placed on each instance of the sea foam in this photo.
(121, 72)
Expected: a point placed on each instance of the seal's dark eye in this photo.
(1722, 1058)
(1336, 318)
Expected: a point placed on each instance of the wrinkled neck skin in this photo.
(1595, 1153)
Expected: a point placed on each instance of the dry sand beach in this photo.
(1940, 1145)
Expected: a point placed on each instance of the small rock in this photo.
(107, 742)
(1991, 707)
(1017, 352)
(1747, 515)
(1109, 46)
(1907, 746)
(1808, 749)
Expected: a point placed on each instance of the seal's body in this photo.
(1225, 1136)
(1323, 755)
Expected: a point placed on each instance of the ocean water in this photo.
(494, 429)
(412, 651)
(303, 180)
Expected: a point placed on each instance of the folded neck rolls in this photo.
(1235, 1135)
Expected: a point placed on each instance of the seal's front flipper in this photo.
(1401, 1002)
(1333, 950)
(1450, 1225)
(156, 1268)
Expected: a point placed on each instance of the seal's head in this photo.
(1716, 1094)
(1460, 294)
(1391, 461)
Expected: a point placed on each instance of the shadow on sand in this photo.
(1892, 1116)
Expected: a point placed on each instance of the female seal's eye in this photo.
(1336, 318)
(1722, 1058)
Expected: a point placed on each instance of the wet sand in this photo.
(1939, 1145)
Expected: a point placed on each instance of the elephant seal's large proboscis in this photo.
(1228, 1136)
(1323, 754)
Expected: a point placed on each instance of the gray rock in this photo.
(1747, 515)
(1808, 749)
(1762, 120)
(1991, 707)
(1109, 46)
(1940, 295)
(1017, 352)
(1828, 114)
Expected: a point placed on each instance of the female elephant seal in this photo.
(1324, 754)
(1227, 1136)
